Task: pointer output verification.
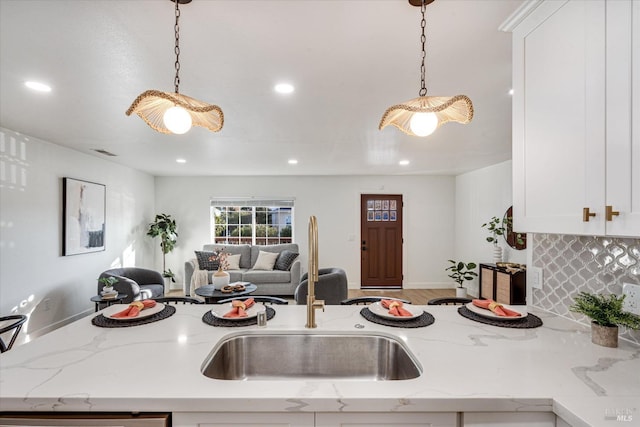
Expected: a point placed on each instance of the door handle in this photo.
(586, 214)
(364, 248)
(610, 213)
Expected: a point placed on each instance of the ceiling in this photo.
(349, 60)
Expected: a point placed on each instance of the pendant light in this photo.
(175, 113)
(421, 116)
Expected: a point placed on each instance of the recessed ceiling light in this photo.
(284, 88)
(181, 161)
(40, 87)
(510, 91)
(293, 162)
(403, 162)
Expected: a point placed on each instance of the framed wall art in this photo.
(84, 216)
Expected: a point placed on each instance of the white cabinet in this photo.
(387, 419)
(575, 79)
(245, 419)
(509, 419)
(318, 419)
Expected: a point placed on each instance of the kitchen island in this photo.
(470, 369)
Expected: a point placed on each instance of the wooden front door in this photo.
(381, 241)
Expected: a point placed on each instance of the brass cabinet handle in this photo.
(586, 214)
(609, 213)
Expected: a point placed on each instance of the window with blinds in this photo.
(252, 221)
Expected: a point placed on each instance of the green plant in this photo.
(604, 310)
(169, 275)
(164, 227)
(107, 281)
(461, 271)
(496, 227)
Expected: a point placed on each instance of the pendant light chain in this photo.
(423, 38)
(176, 27)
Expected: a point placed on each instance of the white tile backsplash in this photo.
(572, 264)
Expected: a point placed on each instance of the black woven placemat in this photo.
(425, 319)
(212, 320)
(105, 322)
(530, 321)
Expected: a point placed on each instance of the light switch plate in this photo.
(534, 277)
(632, 299)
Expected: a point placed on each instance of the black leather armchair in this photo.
(137, 283)
(332, 286)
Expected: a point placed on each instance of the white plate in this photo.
(219, 310)
(117, 308)
(377, 309)
(484, 312)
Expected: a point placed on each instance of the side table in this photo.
(99, 300)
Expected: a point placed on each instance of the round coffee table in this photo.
(211, 295)
(98, 299)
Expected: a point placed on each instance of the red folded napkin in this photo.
(239, 308)
(395, 308)
(496, 308)
(134, 308)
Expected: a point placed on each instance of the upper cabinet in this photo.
(576, 117)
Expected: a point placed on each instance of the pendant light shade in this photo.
(152, 105)
(421, 116)
(439, 109)
(175, 113)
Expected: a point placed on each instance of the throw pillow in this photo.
(265, 260)
(204, 261)
(234, 262)
(285, 259)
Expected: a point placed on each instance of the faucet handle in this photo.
(319, 303)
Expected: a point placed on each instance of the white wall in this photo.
(35, 278)
(335, 201)
(481, 195)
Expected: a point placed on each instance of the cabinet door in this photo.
(395, 419)
(623, 117)
(559, 118)
(246, 419)
(509, 419)
(486, 283)
(503, 288)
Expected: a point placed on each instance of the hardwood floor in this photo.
(416, 296)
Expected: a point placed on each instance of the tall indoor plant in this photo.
(606, 315)
(165, 227)
(461, 272)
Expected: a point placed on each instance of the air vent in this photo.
(105, 152)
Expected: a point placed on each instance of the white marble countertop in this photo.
(467, 366)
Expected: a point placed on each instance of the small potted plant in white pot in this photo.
(461, 272)
(107, 286)
(606, 315)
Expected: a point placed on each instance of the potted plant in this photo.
(107, 284)
(165, 227)
(461, 272)
(606, 315)
(496, 227)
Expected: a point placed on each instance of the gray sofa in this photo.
(270, 282)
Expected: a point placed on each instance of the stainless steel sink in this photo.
(310, 355)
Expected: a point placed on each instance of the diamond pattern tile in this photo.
(572, 264)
